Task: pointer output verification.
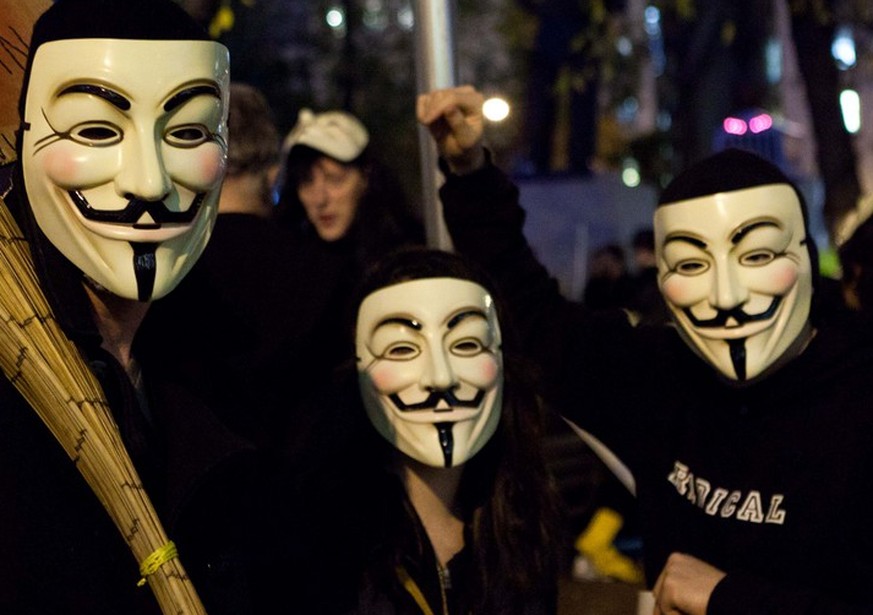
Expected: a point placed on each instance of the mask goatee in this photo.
(738, 357)
(447, 441)
(144, 267)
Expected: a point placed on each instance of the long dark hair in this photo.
(383, 219)
(507, 495)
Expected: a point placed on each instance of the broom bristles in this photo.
(50, 373)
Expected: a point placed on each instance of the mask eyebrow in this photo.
(694, 241)
(399, 320)
(457, 318)
(742, 232)
(180, 98)
(112, 97)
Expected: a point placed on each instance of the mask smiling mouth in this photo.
(433, 400)
(135, 209)
(736, 316)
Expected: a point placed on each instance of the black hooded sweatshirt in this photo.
(771, 482)
(61, 553)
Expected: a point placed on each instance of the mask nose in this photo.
(727, 291)
(143, 175)
(438, 374)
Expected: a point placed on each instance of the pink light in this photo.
(760, 123)
(734, 126)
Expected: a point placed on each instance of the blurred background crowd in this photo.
(626, 91)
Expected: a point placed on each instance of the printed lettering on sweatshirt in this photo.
(727, 503)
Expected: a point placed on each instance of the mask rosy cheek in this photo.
(63, 168)
(482, 371)
(785, 277)
(387, 379)
(211, 167)
(200, 169)
(490, 371)
(679, 291)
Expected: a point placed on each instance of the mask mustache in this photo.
(737, 314)
(135, 209)
(435, 397)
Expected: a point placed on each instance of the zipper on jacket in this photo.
(445, 584)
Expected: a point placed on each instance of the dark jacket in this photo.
(770, 482)
(257, 324)
(61, 553)
(347, 526)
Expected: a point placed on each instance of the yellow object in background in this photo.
(595, 545)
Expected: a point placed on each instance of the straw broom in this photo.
(50, 373)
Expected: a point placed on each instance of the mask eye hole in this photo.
(98, 134)
(758, 258)
(402, 351)
(467, 347)
(190, 135)
(691, 267)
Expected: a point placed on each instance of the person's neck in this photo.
(117, 320)
(433, 493)
(245, 194)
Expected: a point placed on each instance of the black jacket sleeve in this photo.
(586, 360)
(742, 593)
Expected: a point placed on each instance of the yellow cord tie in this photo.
(158, 558)
(412, 587)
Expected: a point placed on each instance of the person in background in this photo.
(853, 240)
(644, 297)
(337, 197)
(252, 155)
(607, 283)
(426, 489)
(271, 297)
(121, 153)
(746, 425)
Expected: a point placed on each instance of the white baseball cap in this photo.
(337, 134)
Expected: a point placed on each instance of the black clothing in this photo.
(605, 292)
(644, 298)
(348, 527)
(770, 482)
(257, 324)
(61, 553)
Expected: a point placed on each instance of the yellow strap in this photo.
(412, 587)
(153, 562)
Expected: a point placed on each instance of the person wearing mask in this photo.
(746, 424)
(426, 490)
(121, 152)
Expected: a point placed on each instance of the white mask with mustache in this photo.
(123, 154)
(735, 272)
(430, 367)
